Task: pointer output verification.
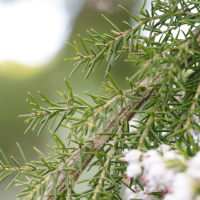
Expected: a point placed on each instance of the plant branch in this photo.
(111, 126)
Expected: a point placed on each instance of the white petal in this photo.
(163, 148)
(133, 170)
(132, 156)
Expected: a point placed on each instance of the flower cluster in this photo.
(163, 172)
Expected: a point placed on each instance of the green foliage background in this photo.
(17, 80)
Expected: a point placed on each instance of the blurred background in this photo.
(33, 36)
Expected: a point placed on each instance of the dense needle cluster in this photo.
(164, 92)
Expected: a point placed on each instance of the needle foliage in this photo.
(166, 97)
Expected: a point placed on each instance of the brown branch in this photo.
(111, 126)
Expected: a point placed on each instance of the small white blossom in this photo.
(163, 148)
(150, 153)
(140, 194)
(159, 177)
(132, 156)
(169, 196)
(172, 155)
(129, 193)
(194, 167)
(196, 160)
(181, 188)
(150, 158)
(133, 170)
(164, 171)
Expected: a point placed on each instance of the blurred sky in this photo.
(32, 31)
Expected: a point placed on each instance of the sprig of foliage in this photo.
(168, 98)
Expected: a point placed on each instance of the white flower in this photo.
(172, 155)
(194, 167)
(195, 161)
(163, 148)
(162, 172)
(156, 177)
(169, 197)
(133, 170)
(140, 194)
(150, 153)
(127, 194)
(132, 156)
(150, 158)
(194, 173)
(181, 187)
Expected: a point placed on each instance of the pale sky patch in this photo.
(33, 31)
